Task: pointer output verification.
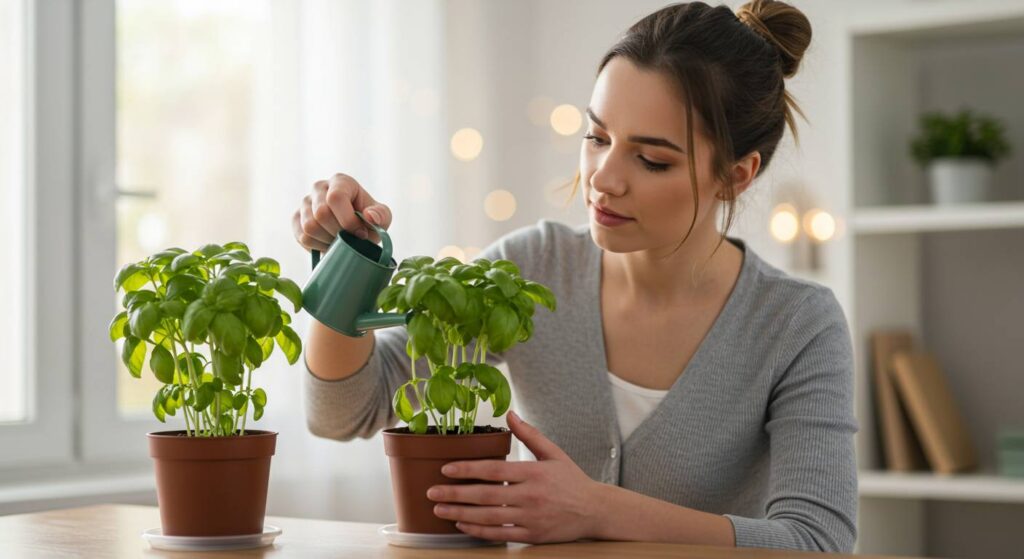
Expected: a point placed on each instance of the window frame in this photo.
(47, 436)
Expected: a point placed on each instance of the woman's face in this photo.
(633, 162)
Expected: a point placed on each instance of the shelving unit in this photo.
(927, 218)
(954, 275)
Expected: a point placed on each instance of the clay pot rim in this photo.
(396, 432)
(176, 435)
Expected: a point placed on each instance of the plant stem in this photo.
(245, 409)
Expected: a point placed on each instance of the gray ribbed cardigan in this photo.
(759, 427)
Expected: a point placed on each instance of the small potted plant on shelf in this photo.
(206, 320)
(458, 313)
(959, 152)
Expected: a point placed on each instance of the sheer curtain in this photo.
(353, 87)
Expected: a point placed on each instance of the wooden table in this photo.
(114, 531)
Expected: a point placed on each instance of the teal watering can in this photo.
(342, 291)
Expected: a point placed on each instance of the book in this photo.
(901, 449)
(933, 412)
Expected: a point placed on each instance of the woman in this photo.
(685, 390)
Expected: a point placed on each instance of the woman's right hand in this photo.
(331, 207)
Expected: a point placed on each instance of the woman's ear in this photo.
(743, 173)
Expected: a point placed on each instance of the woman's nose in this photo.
(608, 177)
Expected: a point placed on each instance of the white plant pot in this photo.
(959, 180)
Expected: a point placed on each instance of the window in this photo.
(185, 75)
(15, 382)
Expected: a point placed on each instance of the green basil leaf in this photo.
(454, 294)
(540, 294)
(133, 354)
(488, 376)
(259, 397)
(229, 333)
(236, 245)
(400, 402)
(239, 400)
(502, 327)
(158, 407)
(184, 286)
(291, 291)
(134, 299)
(289, 343)
(197, 319)
(210, 250)
(418, 424)
(204, 396)
(415, 263)
(267, 345)
(253, 352)
(504, 281)
(417, 288)
(183, 261)
(422, 332)
(268, 265)
(501, 398)
(387, 298)
(227, 367)
(508, 266)
(130, 277)
(257, 412)
(441, 392)
(175, 309)
(465, 400)
(117, 326)
(162, 364)
(144, 319)
(259, 315)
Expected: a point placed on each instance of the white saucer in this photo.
(157, 540)
(409, 539)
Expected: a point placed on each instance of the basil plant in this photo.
(484, 304)
(206, 320)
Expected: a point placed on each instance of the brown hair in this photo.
(730, 68)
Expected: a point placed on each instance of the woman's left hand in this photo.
(550, 500)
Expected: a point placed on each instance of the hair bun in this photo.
(782, 25)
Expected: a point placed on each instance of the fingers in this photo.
(322, 211)
(331, 207)
(539, 445)
(474, 494)
(490, 470)
(308, 242)
(480, 515)
(342, 192)
(310, 226)
(495, 533)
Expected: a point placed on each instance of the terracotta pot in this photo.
(416, 462)
(212, 486)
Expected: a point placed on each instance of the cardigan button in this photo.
(614, 452)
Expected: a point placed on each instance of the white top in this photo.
(633, 403)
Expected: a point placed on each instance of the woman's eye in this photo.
(649, 165)
(654, 167)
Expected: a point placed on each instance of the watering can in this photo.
(342, 291)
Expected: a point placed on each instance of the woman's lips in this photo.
(607, 218)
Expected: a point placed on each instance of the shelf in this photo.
(926, 485)
(924, 218)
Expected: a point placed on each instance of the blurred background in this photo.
(133, 125)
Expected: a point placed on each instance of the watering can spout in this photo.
(373, 321)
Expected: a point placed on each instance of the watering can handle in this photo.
(385, 240)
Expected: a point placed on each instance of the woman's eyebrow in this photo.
(650, 140)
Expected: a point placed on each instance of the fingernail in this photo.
(441, 509)
(433, 493)
(373, 215)
(513, 416)
(448, 469)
